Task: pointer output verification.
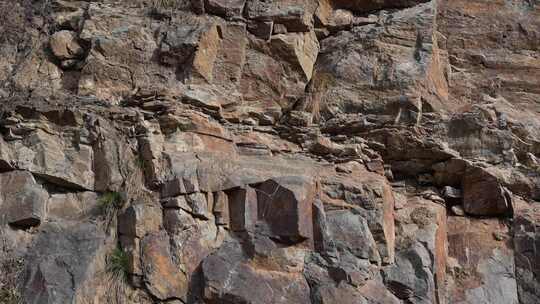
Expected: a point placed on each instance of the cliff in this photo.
(270, 151)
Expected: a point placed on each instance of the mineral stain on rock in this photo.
(270, 151)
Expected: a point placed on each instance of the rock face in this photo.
(270, 151)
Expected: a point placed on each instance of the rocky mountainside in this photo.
(270, 151)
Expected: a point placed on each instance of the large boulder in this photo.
(163, 278)
(229, 277)
(64, 263)
(484, 195)
(527, 251)
(23, 201)
(64, 45)
(384, 68)
(419, 273)
(284, 208)
(139, 220)
(243, 209)
(481, 262)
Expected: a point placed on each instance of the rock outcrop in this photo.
(270, 151)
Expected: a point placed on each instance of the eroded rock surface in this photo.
(283, 151)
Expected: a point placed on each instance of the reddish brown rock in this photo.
(221, 208)
(228, 277)
(162, 277)
(483, 194)
(299, 49)
(284, 207)
(140, 220)
(480, 265)
(225, 8)
(65, 46)
(243, 209)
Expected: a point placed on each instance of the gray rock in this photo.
(64, 261)
(23, 201)
(139, 220)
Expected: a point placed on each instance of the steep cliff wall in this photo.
(270, 151)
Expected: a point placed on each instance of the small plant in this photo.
(110, 201)
(9, 289)
(118, 265)
(117, 274)
(109, 204)
(140, 162)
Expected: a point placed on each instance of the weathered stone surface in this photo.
(370, 197)
(198, 205)
(371, 5)
(225, 8)
(65, 260)
(350, 232)
(483, 194)
(284, 208)
(299, 49)
(72, 206)
(296, 15)
(140, 220)
(23, 201)
(163, 279)
(289, 151)
(527, 253)
(481, 268)
(229, 277)
(51, 158)
(221, 208)
(65, 46)
(419, 274)
(395, 55)
(243, 209)
(193, 46)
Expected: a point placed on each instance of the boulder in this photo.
(64, 262)
(285, 208)
(162, 277)
(243, 209)
(229, 278)
(483, 194)
(139, 220)
(225, 8)
(64, 45)
(193, 48)
(527, 251)
(350, 233)
(299, 49)
(481, 266)
(23, 201)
